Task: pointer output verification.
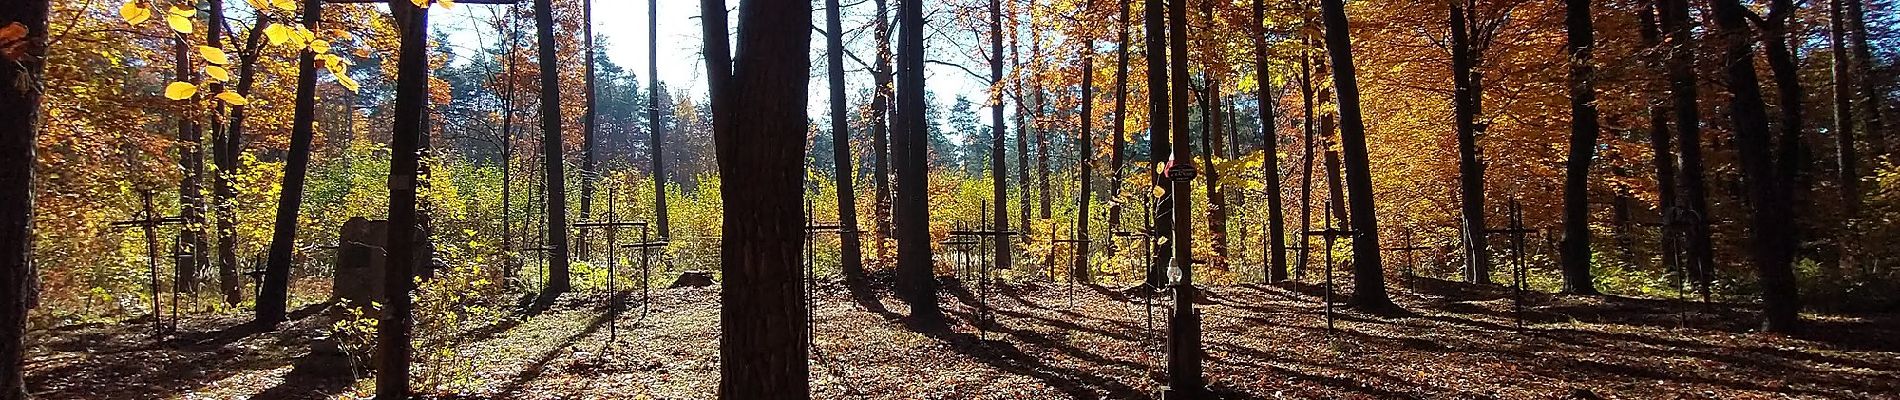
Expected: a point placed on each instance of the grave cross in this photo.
(1518, 269)
(1411, 261)
(1330, 235)
(150, 224)
(612, 225)
(1074, 256)
(812, 229)
(984, 232)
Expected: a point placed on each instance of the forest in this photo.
(1091, 199)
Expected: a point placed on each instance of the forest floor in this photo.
(1453, 341)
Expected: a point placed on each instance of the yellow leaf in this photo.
(179, 24)
(183, 12)
(420, 3)
(446, 4)
(320, 46)
(213, 55)
(286, 5)
(133, 13)
(233, 98)
(277, 33)
(218, 73)
(342, 79)
(1160, 192)
(255, 4)
(180, 90)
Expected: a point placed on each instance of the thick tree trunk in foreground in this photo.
(851, 263)
(1584, 130)
(1771, 244)
(20, 88)
(412, 86)
(759, 133)
(551, 149)
(274, 298)
(1368, 275)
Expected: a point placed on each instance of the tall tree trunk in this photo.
(1212, 139)
(1085, 155)
(759, 133)
(999, 170)
(191, 204)
(880, 129)
(1368, 275)
(1771, 244)
(1682, 86)
(1785, 66)
(1872, 97)
(1118, 156)
(1659, 147)
(1038, 128)
(1184, 322)
(1470, 167)
(412, 86)
(1306, 158)
(1159, 148)
(551, 148)
(1269, 149)
(656, 129)
(852, 261)
(916, 276)
(20, 89)
(1846, 160)
(590, 162)
(274, 299)
(223, 192)
(1583, 144)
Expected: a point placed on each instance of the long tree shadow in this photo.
(315, 375)
(539, 365)
(864, 292)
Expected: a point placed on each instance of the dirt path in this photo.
(1457, 341)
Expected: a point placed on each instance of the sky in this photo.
(622, 27)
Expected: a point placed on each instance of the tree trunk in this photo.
(1184, 322)
(999, 170)
(1771, 244)
(1368, 272)
(590, 162)
(1118, 157)
(656, 130)
(551, 148)
(20, 89)
(1212, 139)
(1682, 86)
(851, 263)
(1085, 152)
(1872, 97)
(1270, 151)
(759, 133)
(880, 129)
(274, 298)
(1037, 128)
(1659, 146)
(1158, 146)
(1470, 167)
(1845, 158)
(1583, 144)
(1306, 160)
(917, 278)
(191, 204)
(412, 86)
(223, 192)
(1785, 66)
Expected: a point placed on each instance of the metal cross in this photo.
(150, 223)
